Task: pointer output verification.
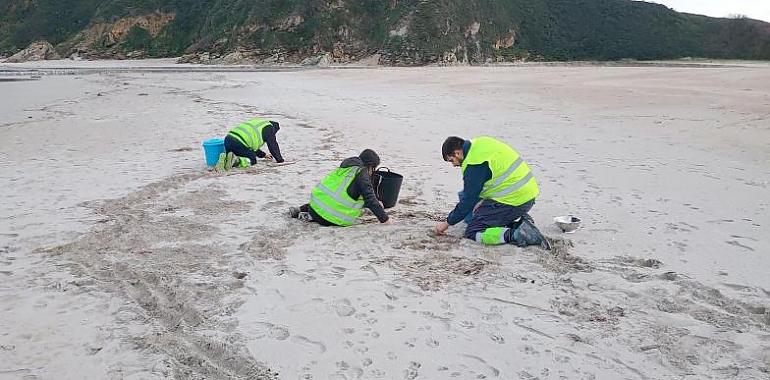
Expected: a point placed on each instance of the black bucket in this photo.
(387, 185)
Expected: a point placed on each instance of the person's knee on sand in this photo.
(492, 221)
(486, 234)
(521, 233)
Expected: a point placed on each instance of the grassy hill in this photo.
(401, 31)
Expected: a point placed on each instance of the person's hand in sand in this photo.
(441, 228)
(389, 222)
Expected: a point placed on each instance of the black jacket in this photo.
(362, 185)
(268, 136)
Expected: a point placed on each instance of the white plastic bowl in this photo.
(568, 223)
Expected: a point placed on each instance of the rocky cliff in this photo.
(398, 32)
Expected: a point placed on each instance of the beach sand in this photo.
(123, 257)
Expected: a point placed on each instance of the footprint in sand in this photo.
(338, 272)
(682, 247)
(561, 359)
(315, 345)
(269, 330)
(413, 371)
(529, 350)
(467, 324)
(344, 308)
(278, 332)
(492, 317)
(495, 372)
(497, 338)
(353, 373)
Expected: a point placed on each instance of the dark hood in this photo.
(352, 161)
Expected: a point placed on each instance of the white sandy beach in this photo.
(122, 257)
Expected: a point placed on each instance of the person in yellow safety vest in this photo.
(339, 199)
(501, 186)
(243, 144)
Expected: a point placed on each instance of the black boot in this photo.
(527, 234)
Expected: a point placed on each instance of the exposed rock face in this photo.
(238, 57)
(506, 41)
(234, 58)
(36, 51)
(153, 23)
(449, 58)
(321, 60)
(372, 60)
(107, 35)
(136, 54)
(290, 22)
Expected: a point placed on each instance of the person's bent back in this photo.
(243, 144)
(339, 199)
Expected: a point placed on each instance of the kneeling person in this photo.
(494, 173)
(243, 144)
(341, 196)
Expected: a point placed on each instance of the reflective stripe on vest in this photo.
(515, 165)
(516, 186)
(336, 195)
(512, 181)
(325, 210)
(330, 198)
(250, 133)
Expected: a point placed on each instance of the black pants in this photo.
(493, 214)
(233, 145)
(316, 218)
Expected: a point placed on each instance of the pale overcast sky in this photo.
(757, 9)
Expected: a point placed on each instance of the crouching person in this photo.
(339, 199)
(243, 144)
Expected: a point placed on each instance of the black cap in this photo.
(370, 158)
(275, 125)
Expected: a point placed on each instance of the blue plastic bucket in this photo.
(212, 148)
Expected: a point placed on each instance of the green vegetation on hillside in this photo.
(427, 30)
